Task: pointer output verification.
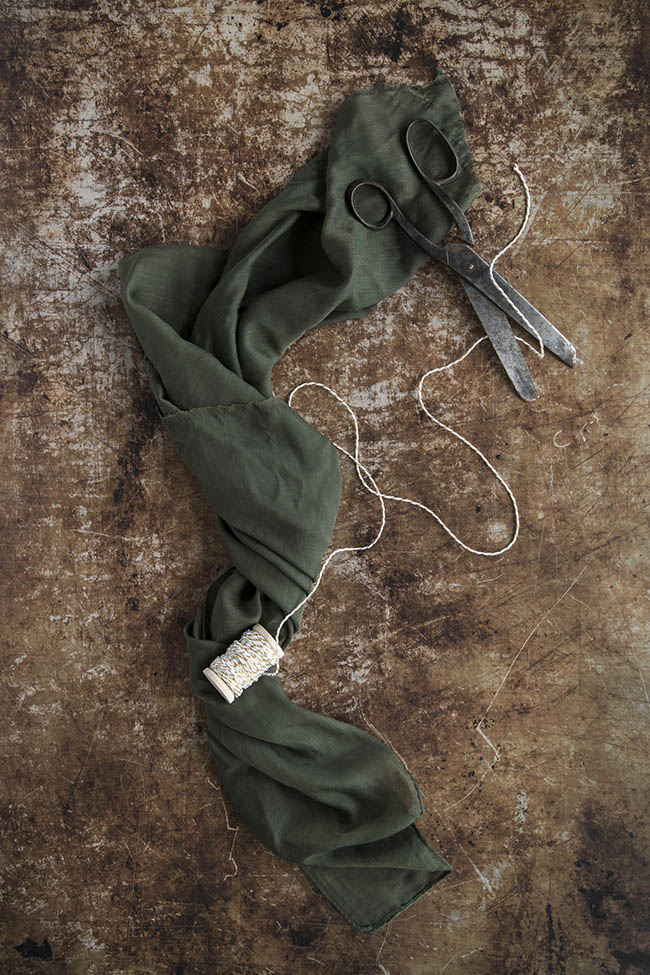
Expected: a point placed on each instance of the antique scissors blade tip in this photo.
(498, 330)
(565, 352)
(522, 381)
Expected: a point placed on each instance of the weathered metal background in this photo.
(132, 123)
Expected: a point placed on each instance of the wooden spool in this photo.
(218, 682)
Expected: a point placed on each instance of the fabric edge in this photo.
(444, 871)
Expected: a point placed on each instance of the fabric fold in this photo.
(211, 324)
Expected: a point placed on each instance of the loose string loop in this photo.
(257, 653)
(370, 484)
(520, 315)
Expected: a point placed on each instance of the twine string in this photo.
(252, 656)
(371, 486)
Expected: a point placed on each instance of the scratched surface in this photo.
(516, 689)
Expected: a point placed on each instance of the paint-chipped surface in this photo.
(515, 689)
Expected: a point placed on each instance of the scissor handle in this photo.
(435, 185)
(443, 180)
(391, 210)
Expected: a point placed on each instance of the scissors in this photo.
(459, 254)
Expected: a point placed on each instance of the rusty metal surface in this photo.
(127, 124)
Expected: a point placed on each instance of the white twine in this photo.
(251, 657)
(418, 504)
(522, 318)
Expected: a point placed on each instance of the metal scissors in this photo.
(459, 254)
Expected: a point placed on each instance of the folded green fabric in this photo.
(211, 324)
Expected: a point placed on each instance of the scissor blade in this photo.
(499, 332)
(552, 338)
(472, 267)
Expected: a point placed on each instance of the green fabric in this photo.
(319, 792)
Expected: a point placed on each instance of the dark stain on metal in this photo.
(555, 945)
(332, 9)
(635, 962)
(127, 491)
(31, 949)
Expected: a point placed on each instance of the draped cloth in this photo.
(211, 324)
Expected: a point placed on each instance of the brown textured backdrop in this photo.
(131, 123)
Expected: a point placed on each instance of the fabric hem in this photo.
(372, 927)
(389, 915)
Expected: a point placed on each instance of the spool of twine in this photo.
(245, 661)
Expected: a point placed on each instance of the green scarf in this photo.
(324, 794)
